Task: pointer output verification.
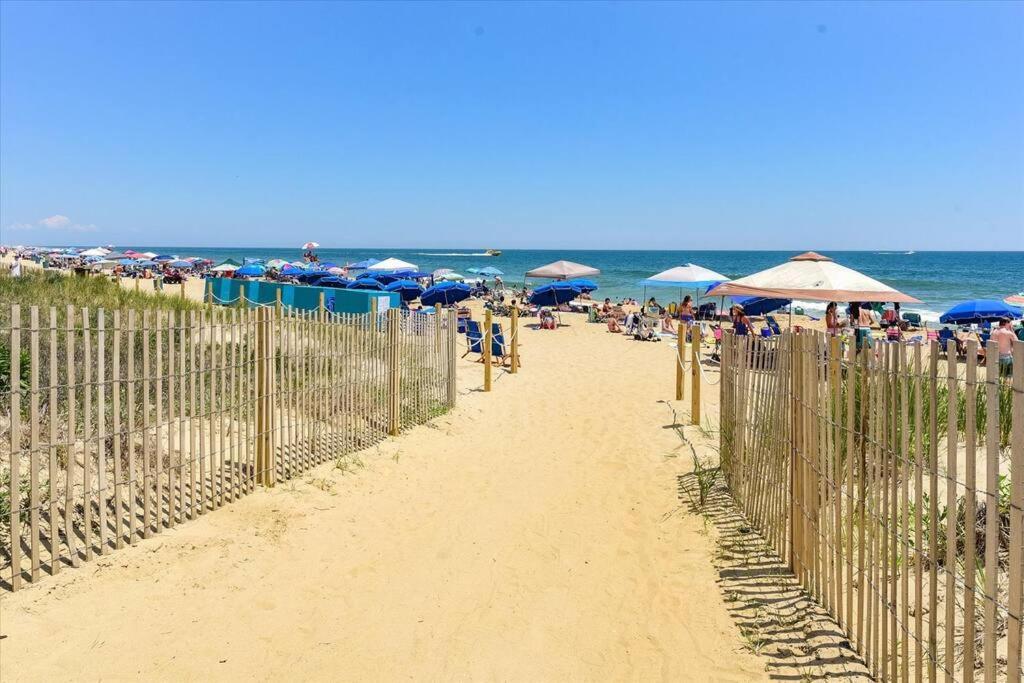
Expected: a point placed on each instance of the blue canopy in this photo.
(365, 283)
(407, 289)
(583, 284)
(978, 310)
(251, 270)
(181, 263)
(446, 293)
(554, 294)
(759, 305)
(359, 265)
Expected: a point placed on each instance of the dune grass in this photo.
(50, 288)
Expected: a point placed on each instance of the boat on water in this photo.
(493, 252)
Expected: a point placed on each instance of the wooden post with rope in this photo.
(277, 302)
(209, 296)
(487, 350)
(695, 375)
(515, 340)
(680, 360)
(321, 305)
(181, 292)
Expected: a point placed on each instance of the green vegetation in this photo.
(49, 288)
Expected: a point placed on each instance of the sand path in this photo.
(534, 534)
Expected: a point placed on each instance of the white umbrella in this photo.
(451, 276)
(392, 264)
(814, 277)
(224, 268)
(442, 271)
(689, 276)
(310, 245)
(563, 270)
(95, 251)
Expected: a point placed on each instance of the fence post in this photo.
(241, 295)
(136, 278)
(14, 493)
(181, 292)
(394, 380)
(680, 360)
(487, 350)
(321, 307)
(695, 375)
(453, 329)
(515, 340)
(277, 301)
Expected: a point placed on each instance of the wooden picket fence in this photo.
(877, 474)
(118, 424)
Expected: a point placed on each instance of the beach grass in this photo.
(49, 288)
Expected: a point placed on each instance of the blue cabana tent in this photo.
(446, 293)
(251, 270)
(554, 294)
(407, 289)
(362, 265)
(977, 311)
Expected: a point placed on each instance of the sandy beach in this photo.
(531, 534)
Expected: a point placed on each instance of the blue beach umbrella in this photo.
(583, 284)
(491, 271)
(978, 310)
(292, 270)
(365, 283)
(333, 281)
(128, 262)
(164, 257)
(145, 264)
(407, 289)
(308, 276)
(446, 293)
(180, 264)
(251, 270)
(554, 294)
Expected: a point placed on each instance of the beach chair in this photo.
(706, 311)
(671, 308)
(474, 338)
(912, 319)
(501, 350)
(773, 324)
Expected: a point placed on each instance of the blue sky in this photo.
(624, 125)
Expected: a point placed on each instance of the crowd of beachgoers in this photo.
(752, 300)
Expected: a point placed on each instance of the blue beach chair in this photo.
(474, 338)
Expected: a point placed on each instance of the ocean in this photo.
(940, 279)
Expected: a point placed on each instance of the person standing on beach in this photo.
(1004, 338)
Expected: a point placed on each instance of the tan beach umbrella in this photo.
(563, 270)
(813, 277)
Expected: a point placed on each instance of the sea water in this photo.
(939, 279)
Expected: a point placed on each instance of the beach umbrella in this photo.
(128, 262)
(689, 276)
(148, 254)
(333, 281)
(365, 283)
(491, 271)
(229, 262)
(473, 270)
(563, 270)
(117, 256)
(407, 289)
(446, 293)
(310, 245)
(452, 276)
(95, 251)
(583, 284)
(978, 310)
(277, 263)
(759, 305)
(145, 264)
(335, 270)
(441, 271)
(164, 257)
(224, 268)
(554, 294)
(309, 275)
(392, 264)
(1015, 300)
(812, 277)
(251, 270)
(363, 265)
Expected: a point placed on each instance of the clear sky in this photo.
(514, 125)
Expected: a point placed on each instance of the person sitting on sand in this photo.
(613, 324)
(668, 325)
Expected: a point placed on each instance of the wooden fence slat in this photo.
(54, 465)
(33, 471)
(14, 486)
(1015, 599)
(991, 509)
